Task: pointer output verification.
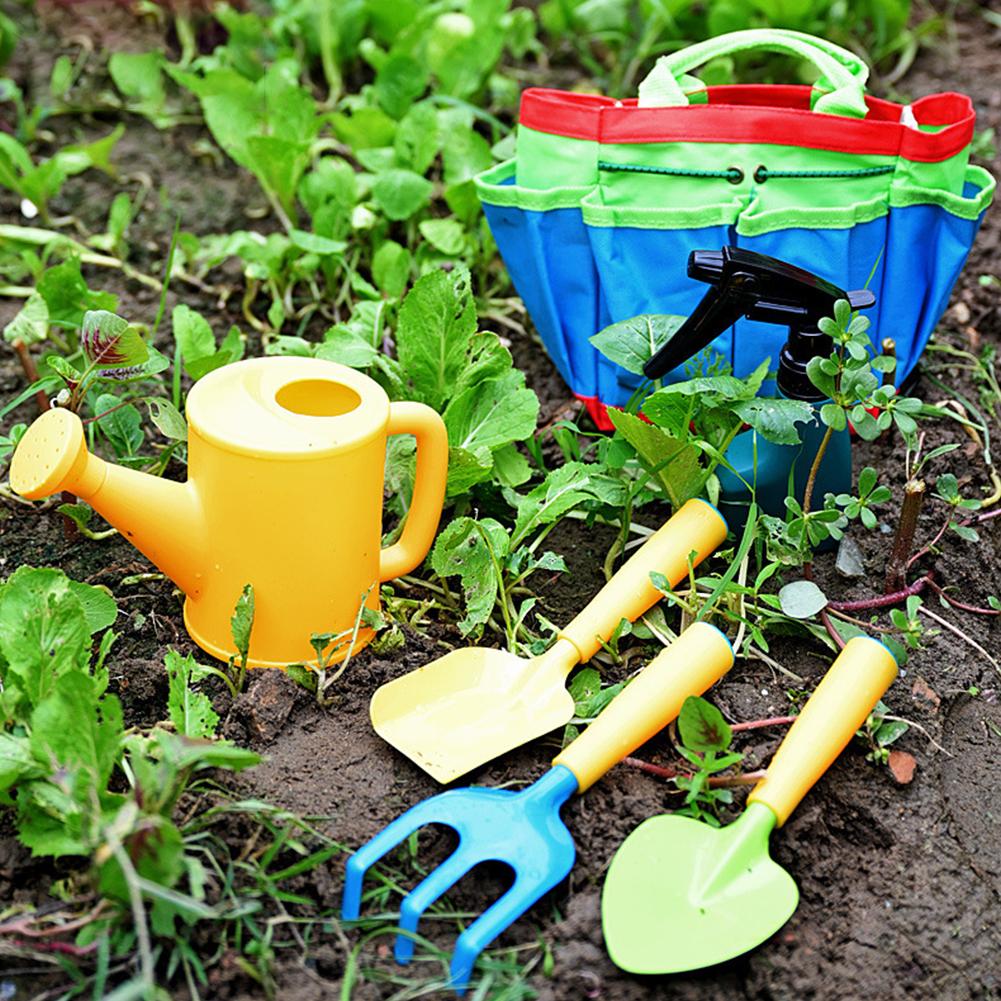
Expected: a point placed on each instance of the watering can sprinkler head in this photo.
(747, 284)
(53, 456)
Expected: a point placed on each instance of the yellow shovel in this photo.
(473, 704)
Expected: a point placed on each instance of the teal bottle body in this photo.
(775, 463)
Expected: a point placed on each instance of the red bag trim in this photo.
(783, 117)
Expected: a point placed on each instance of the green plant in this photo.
(80, 784)
(493, 562)
(705, 744)
(241, 626)
(38, 183)
(690, 424)
(880, 730)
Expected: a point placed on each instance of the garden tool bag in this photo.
(596, 215)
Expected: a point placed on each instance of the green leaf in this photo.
(436, 322)
(702, 727)
(562, 490)
(139, 78)
(31, 322)
(74, 730)
(398, 83)
(467, 468)
(633, 342)
(510, 467)
(191, 712)
(891, 731)
(315, 244)
(110, 342)
(364, 128)
(833, 416)
(418, 138)
(43, 631)
(343, 344)
(192, 334)
(167, 419)
(965, 532)
(400, 193)
(464, 153)
(493, 414)
(242, 622)
(122, 426)
(775, 418)
(67, 295)
(584, 685)
(97, 603)
(676, 462)
(446, 235)
(16, 761)
(391, 268)
(468, 548)
(802, 599)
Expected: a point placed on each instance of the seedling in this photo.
(880, 731)
(705, 744)
(242, 625)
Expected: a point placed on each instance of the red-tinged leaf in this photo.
(902, 766)
(111, 342)
(702, 726)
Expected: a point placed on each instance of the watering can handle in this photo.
(840, 704)
(694, 662)
(429, 487)
(841, 87)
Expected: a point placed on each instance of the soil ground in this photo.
(900, 884)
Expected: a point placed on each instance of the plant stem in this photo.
(884, 601)
(962, 604)
(714, 781)
(811, 479)
(934, 542)
(831, 631)
(31, 373)
(757, 724)
(903, 542)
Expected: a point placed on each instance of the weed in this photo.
(705, 744)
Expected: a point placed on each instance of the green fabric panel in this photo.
(547, 161)
(756, 220)
(946, 175)
(491, 188)
(620, 188)
(692, 215)
(902, 195)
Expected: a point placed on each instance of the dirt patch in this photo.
(900, 894)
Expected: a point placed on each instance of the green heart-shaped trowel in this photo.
(681, 895)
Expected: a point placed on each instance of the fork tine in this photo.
(384, 842)
(415, 903)
(503, 912)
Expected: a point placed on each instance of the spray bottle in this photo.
(746, 284)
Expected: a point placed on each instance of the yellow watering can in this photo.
(286, 461)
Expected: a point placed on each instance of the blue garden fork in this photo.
(524, 829)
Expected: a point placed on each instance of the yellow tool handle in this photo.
(695, 661)
(429, 487)
(849, 691)
(696, 527)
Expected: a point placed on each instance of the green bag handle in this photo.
(842, 74)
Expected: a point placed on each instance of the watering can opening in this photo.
(317, 398)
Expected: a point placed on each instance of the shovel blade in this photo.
(469, 707)
(680, 895)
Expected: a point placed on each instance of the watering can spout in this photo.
(161, 518)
